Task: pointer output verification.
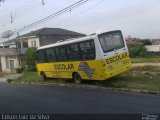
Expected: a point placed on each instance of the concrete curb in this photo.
(92, 87)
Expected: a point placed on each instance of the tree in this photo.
(30, 61)
(137, 50)
(7, 34)
(146, 42)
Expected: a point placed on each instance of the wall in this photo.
(3, 63)
(33, 39)
(153, 48)
(8, 51)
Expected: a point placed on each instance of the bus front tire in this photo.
(77, 78)
(43, 76)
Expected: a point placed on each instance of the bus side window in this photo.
(61, 53)
(53, 54)
(50, 55)
(73, 52)
(87, 49)
(41, 56)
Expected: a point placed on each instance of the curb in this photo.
(91, 87)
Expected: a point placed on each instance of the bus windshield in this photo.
(111, 41)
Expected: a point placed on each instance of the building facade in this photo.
(13, 51)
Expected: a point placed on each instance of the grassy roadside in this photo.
(146, 78)
(33, 77)
(139, 79)
(155, 59)
(27, 77)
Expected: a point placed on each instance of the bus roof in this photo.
(68, 41)
(74, 40)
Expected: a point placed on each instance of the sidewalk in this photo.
(9, 76)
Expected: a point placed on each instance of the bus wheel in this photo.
(43, 76)
(77, 78)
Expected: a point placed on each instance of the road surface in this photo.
(16, 98)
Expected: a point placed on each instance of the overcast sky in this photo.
(138, 18)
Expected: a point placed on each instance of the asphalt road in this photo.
(50, 99)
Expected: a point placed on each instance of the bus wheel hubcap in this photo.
(77, 78)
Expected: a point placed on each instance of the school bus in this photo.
(93, 57)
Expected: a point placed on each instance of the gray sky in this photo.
(138, 18)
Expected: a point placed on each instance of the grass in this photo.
(33, 77)
(155, 59)
(146, 78)
(28, 77)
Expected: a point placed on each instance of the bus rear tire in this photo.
(77, 78)
(43, 76)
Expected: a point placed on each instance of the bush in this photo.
(28, 77)
(146, 42)
(18, 70)
(30, 61)
(137, 50)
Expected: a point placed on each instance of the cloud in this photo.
(137, 20)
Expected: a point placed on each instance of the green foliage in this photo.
(149, 59)
(30, 61)
(138, 78)
(137, 50)
(28, 77)
(146, 42)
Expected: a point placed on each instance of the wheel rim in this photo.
(77, 78)
(43, 76)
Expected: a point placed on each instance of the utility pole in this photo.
(18, 49)
(11, 18)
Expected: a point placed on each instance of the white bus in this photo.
(94, 57)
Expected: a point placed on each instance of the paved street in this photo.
(49, 99)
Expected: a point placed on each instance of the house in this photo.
(155, 41)
(13, 51)
(153, 49)
(131, 41)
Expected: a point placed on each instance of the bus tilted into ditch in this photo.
(94, 57)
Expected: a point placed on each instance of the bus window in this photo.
(50, 54)
(87, 49)
(61, 53)
(111, 41)
(41, 56)
(73, 52)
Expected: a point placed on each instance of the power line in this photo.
(81, 12)
(18, 13)
(22, 11)
(26, 5)
(55, 9)
(60, 12)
